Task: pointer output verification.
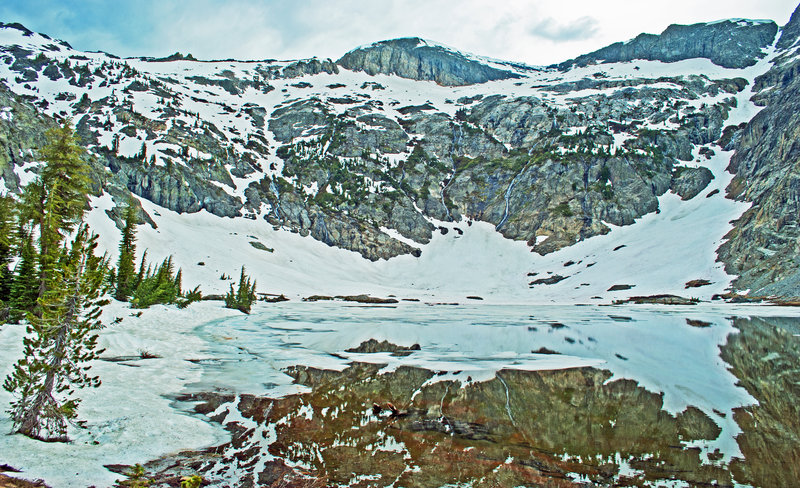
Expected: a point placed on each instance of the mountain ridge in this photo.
(731, 43)
(358, 162)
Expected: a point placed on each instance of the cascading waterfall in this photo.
(277, 208)
(511, 187)
(507, 197)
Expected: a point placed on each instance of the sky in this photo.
(537, 32)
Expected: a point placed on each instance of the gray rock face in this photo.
(18, 135)
(176, 188)
(728, 43)
(689, 182)
(299, 68)
(548, 184)
(303, 118)
(790, 32)
(414, 58)
(765, 244)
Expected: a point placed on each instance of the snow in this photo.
(27, 173)
(659, 253)
(479, 262)
(662, 252)
(247, 353)
(742, 22)
(494, 262)
(130, 409)
(131, 146)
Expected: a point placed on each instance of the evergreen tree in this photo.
(25, 283)
(142, 273)
(243, 297)
(178, 283)
(55, 202)
(58, 286)
(7, 209)
(159, 285)
(126, 267)
(64, 339)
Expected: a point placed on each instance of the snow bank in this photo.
(130, 417)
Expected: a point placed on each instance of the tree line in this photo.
(52, 278)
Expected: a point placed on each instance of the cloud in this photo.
(577, 30)
(208, 30)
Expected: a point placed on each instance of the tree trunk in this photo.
(31, 422)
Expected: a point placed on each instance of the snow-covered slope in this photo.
(225, 154)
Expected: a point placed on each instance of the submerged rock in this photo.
(660, 300)
(373, 346)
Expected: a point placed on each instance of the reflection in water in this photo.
(765, 356)
(632, 397)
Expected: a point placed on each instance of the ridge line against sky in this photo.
(535, 32)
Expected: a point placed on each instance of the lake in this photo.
(625, 395)
(428, 395)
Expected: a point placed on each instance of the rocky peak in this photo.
(791, 31)
(418, 59)
(25, 32)
(733, 43)
(15, 25)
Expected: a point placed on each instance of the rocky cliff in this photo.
(764, 247)
(22, 129)
(550, 157)
(729, 43)
(418, 59)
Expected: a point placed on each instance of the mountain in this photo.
(410, 167)
(419, 59)
(733, 43)
(764, 246)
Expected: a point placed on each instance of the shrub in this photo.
(193, 481)
(563, 210)
(136, 478)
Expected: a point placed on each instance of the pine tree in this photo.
(25, 283)
(55, 202)
(243, 297)
(141, 274)
(61, 283)
(7, 209)
(126, 267)
(178, 281)
(63, 340)
(159, 285)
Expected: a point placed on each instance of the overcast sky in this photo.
(530, 31)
